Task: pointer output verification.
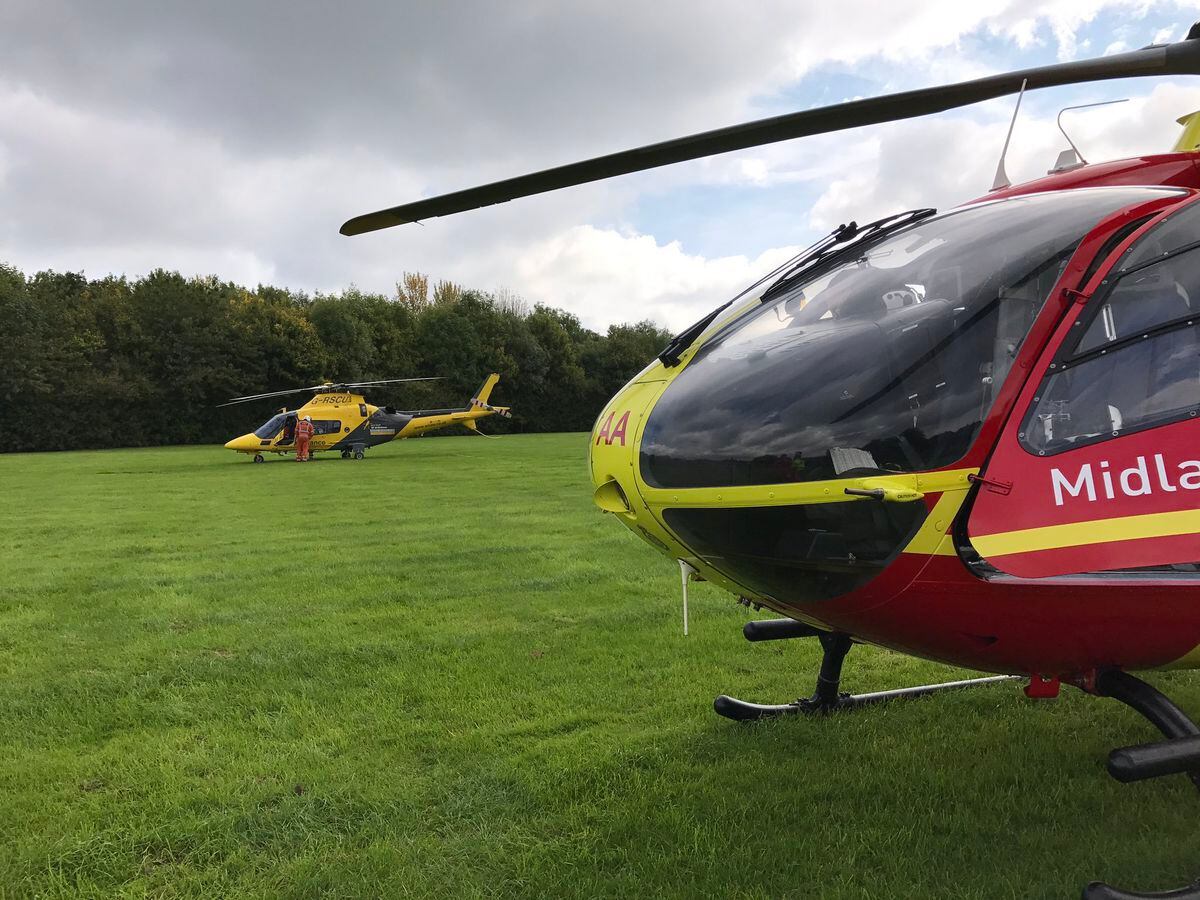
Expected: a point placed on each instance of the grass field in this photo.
(441, 672)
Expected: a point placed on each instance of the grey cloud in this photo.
(233, 138)
(445, 82)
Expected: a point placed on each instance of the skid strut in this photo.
(1178, 754)
(826, 697)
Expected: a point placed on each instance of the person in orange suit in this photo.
(304, 433)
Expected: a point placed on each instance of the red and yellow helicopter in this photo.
(344, 422)
(971, 436)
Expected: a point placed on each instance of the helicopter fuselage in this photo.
(974, 440)
(340, 422)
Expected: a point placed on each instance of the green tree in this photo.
(147, 362)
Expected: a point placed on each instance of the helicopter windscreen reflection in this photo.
(887, 362)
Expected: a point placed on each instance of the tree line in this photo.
(112, 362)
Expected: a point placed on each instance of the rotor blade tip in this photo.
(374, 221)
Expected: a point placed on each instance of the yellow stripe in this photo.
(932, 539)
(799, 493)
(1098, 531)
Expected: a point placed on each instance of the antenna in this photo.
(1001, 180)
(1073, 159)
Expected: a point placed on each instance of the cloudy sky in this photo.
(234, 138)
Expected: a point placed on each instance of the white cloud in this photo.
(629, 277)
(949, 160)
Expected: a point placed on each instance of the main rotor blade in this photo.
(315, 387)
(328, 386)
(1182, 58)
(358, 384)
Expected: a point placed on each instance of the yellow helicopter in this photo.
(343, 421)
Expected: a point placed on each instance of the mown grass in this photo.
(441, 672)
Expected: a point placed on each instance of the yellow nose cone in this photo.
(245, 442)
(613, 451)
(613, 455)
(613, 447)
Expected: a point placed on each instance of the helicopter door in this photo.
(1098, 469)
(287, 437)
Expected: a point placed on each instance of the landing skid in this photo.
(826, 698)
(1178, 754)
(742, 711)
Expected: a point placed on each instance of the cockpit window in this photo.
(887, 362)
(272, 427)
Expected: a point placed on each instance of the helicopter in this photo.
(344, 422)
(971, 436)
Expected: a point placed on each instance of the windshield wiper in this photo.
(843, 239)
(828, 247)
(671, 353)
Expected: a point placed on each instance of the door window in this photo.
(1136, 364)
(1160, 293)
(1177, 232)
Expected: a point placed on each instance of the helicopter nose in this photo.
(613, 450)
(240, 443)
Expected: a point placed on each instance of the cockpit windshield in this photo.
(885, 362)
(272, 427)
